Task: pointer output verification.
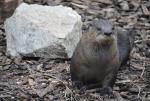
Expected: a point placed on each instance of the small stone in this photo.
(31, 82)
(12, 97)
(43, 85)
(39, 67)
(124, 5)
(134, 90)
(18, 82)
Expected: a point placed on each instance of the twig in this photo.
(123, 81)
(141, 76)
(144, 96)
(140, 41)
(139, 89)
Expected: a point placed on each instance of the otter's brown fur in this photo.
(97, 57)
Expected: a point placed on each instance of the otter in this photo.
(98, 56)
(7, 8)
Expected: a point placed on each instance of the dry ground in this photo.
(40, 79)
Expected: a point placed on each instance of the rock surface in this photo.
(43, 31)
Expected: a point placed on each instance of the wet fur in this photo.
(96, 59)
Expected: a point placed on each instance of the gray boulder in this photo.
(43, 31)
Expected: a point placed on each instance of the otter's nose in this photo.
(108, 33)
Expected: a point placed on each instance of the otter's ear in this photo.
(115, 30)
(95, 22)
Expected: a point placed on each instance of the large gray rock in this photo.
(43, 31)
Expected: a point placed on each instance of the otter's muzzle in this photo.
(107, 33)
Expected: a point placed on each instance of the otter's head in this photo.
(104, 31)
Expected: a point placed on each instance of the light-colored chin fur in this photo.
(105, 40)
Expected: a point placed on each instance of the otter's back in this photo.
(124, 45)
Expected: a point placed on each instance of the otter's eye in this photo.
(113, 29)
(99, 29)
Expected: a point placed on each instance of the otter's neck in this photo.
(109, 49)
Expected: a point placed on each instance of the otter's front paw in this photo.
(83, 89)
(107, 91)
(77, 84)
